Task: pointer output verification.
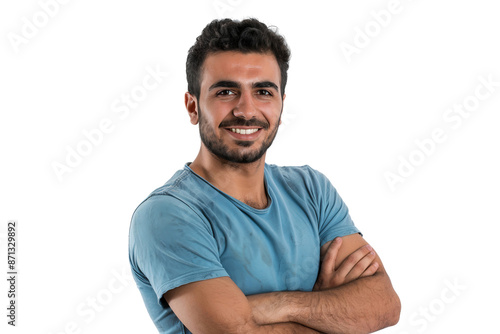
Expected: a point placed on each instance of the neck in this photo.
(243, 181)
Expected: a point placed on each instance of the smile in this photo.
(244, 131)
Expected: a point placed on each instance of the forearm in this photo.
(362, 306)
(284, 328)
(273, 324)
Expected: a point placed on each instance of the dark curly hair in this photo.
(249, 35)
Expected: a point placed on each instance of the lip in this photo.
(239, 136)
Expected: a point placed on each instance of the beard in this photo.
(243, 156)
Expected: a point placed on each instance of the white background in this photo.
(350, 120)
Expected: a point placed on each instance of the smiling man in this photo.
(231, 244)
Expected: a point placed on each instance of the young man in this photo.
(231, 244)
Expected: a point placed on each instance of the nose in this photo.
(245, 108)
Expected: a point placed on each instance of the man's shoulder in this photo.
(304, 173)
(174, 184)
(288, 169)
(170, 195)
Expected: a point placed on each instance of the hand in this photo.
(358, 264)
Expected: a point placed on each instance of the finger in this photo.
(361, 266)
(372, 269)
(328, 264)
(349, 262)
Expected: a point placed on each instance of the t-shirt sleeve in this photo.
(172, 245)
(334, 218)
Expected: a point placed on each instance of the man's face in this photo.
(240, 105)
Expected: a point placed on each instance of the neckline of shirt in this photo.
(235, 200)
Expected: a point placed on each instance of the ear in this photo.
(283, 104)
(191, 107)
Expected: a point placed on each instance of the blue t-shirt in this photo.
(188, 230)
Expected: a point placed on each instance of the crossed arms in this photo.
(353, 294)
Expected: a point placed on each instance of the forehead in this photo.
(239, 67)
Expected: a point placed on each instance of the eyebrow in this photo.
(265, 84)
(225, 83)
(234, 84)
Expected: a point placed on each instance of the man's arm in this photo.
(362, 305)
(218, 306)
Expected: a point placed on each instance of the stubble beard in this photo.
(217, 147)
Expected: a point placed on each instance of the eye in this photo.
(225, 92)
(264, 92)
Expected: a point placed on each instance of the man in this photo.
(231, 244)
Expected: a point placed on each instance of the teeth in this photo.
(244, 131)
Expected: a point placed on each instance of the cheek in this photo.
(272, 112)
(209, 115)
(217, 112)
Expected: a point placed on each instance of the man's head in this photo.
(245, 36)
(236, 78)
